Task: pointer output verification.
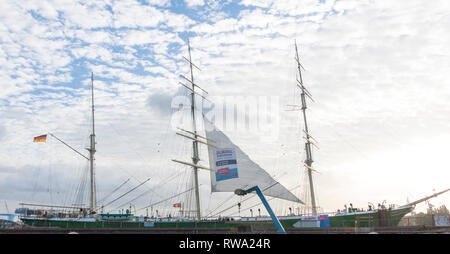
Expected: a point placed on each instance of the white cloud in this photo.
(192, 3)
(132, 14)
(75, 14)
(293, 7)
(258, 3)
(163, 3)
(137, 37)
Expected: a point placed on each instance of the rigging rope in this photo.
(116, 189)
(259, 202)
(165, 199)
(126, 193)
(149, 190)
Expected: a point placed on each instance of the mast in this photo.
(195, 157)
(308, 143)
(91, 149)
(195, 138)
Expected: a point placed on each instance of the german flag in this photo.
(41, 138)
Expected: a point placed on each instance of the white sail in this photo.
(232, 169)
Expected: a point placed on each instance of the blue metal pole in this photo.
(269, 210)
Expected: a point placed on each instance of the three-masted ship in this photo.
(230, 169)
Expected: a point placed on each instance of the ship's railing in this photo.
(351, 210)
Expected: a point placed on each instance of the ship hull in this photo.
(379, 218)
(362, 219)
(73, 224)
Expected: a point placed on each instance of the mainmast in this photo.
(308, 143)
(91, 149)
(195, 157)
(195, 138)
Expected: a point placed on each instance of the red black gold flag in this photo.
(41, 138)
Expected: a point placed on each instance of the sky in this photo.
(377, 71)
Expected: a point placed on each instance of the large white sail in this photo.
(232, 169)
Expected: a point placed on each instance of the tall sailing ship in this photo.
(230, 169)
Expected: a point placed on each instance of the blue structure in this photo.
(266, 204)
(324, 221)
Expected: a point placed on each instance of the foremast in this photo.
(309, 160)
(91, 158)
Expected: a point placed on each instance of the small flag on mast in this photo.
(41, 138)
(177, 205)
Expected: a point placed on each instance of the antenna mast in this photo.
(308, 143)
(92, 151)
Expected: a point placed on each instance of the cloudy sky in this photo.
(377, 71)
